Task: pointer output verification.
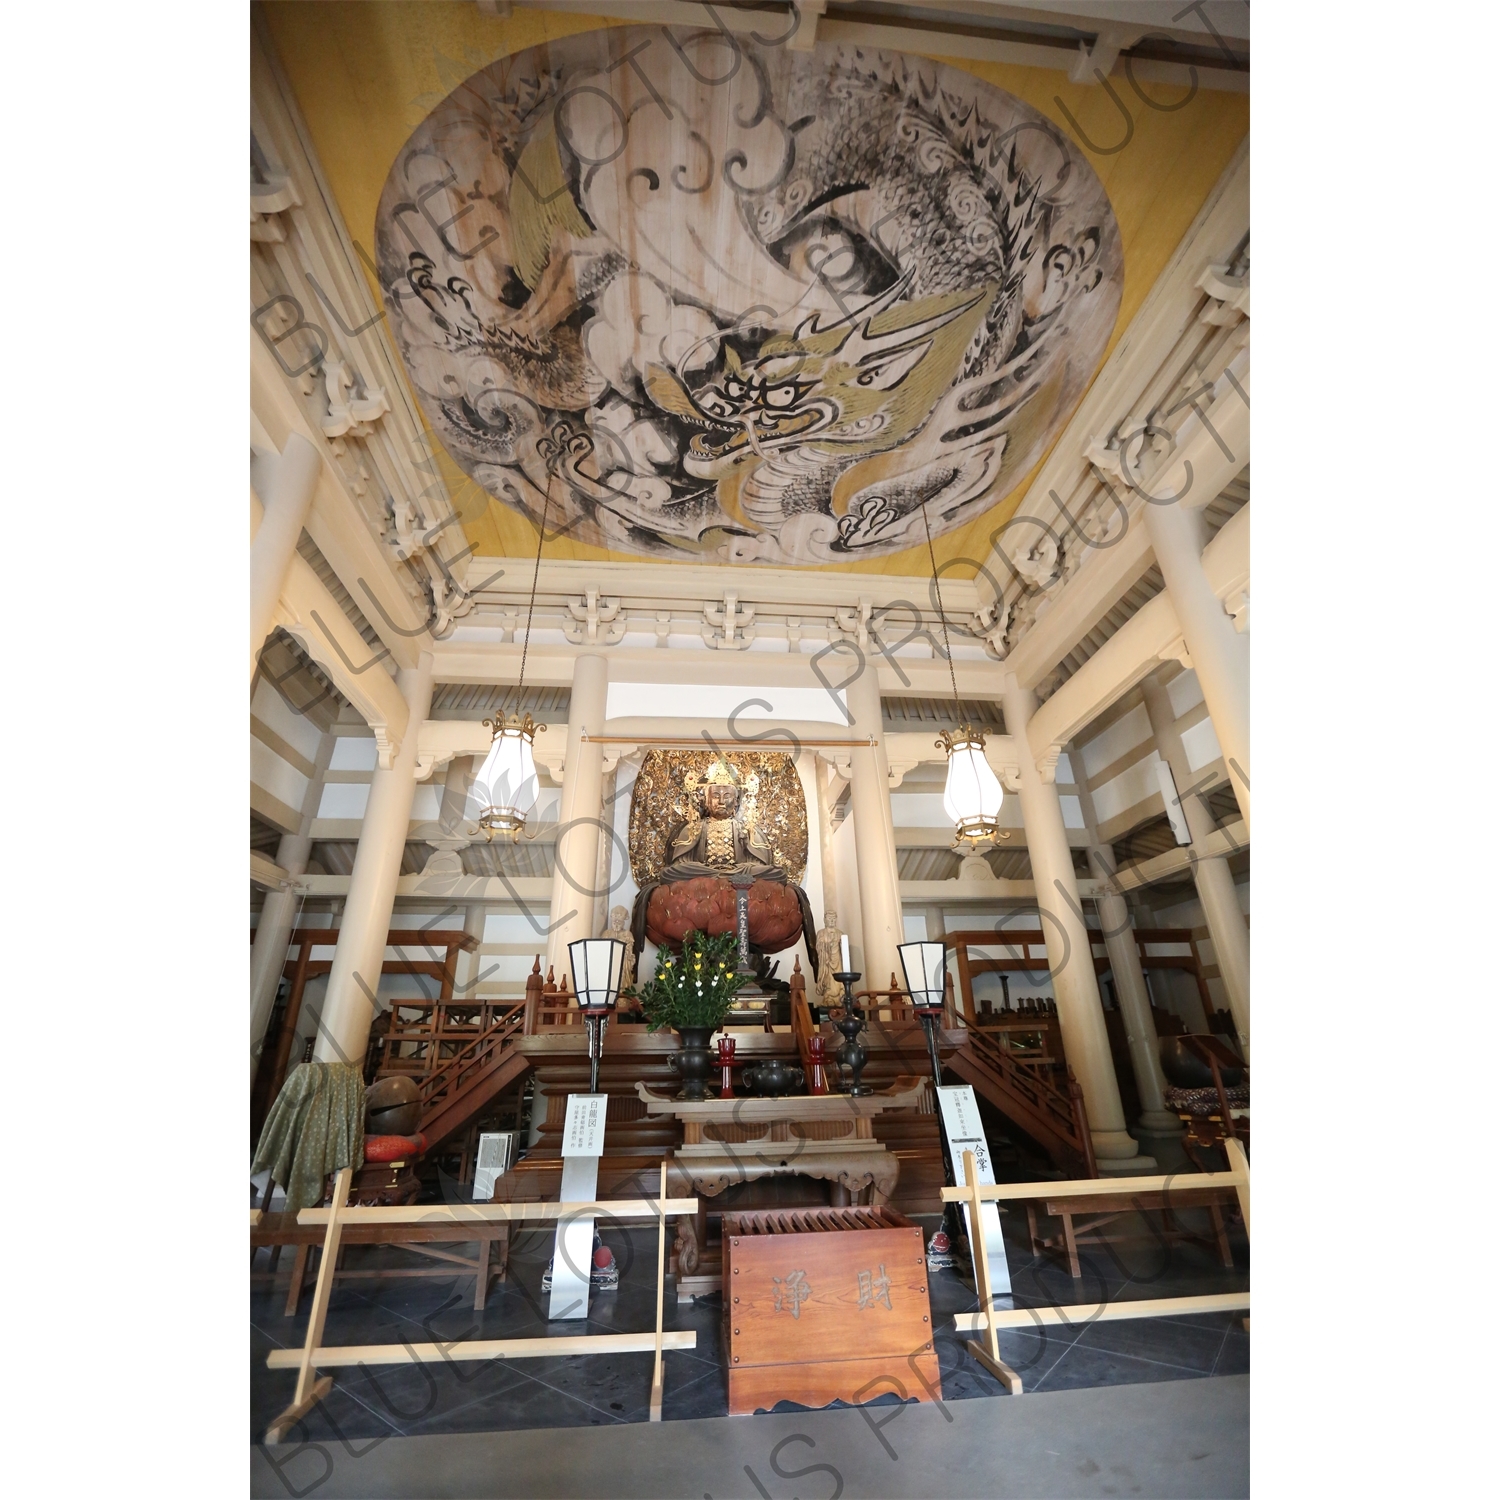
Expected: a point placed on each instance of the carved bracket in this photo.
(841, 761)
(386, 749)
(550, 758)
(269, 200)
(1177, 651)
(855, 623)
(595, 621)
(1105, 459)
(730, 626)
(450, 602)
(898, 770)
(1229, 296)
(353, 407)
(1038, 564)
(990, 625)
(1046, 763)
(429, 761)
(1237, 607)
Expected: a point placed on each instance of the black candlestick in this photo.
(595, 1023)
(952, 1222)
(851, 1054)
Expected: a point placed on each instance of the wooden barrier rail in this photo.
(990, 1320)
(314, 1354)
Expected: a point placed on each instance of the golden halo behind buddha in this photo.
(667, 795)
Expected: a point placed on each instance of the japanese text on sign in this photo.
(583, 1129)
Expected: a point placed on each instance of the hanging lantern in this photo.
(508, 776)
(973, 794)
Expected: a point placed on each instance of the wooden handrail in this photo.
(434, 1086)
(1057, 1111)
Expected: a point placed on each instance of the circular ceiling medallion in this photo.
(721, 301)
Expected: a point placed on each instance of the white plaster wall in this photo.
(276, 713)
(1184, 692)
(344, 799)
(1128, 731)
(919, 810)
(1201, 744)
(353, 752)
(272, 774)
(1134, 785)
(718, 700)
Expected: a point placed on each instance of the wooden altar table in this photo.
(731, 1141)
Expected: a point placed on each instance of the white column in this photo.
(1221, 656)
(1125, 964)
(823, 807)
(874, 834)
(349, 1005)
(1221, 906)
(815, 877)
(1080, 1012)
(471, 965)
(288, 498)
(452, 818)
(268, 953)
(454, 809)
(574, 875)
(609, 782)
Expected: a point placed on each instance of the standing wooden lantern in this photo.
(826, 1304)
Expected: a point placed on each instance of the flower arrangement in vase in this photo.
(691, 992)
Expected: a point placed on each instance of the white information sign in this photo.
(583, 1129)
(573, 1251)
(492, 1161)
(965, 1132)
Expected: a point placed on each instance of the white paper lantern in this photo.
(506, 782)
(597, 964)
(925, 966)
(973, 794)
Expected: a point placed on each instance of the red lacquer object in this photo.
(728, 1065)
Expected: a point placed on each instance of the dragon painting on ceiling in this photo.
(716, 300)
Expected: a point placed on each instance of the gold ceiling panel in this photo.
(723, 352)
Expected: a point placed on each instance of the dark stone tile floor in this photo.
(368, 1404)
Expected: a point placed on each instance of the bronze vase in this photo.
(693, 1061)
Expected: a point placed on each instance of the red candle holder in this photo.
(817, 1080)
(728, 1065)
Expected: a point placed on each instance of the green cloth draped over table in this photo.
(315, 1127)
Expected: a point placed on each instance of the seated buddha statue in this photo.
(720, 849)
(720, 843)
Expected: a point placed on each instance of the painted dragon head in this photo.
(864, 384)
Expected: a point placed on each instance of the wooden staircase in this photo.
(455, 1090)
(1027, 1097)
(459, 1091)
(1026, 1093)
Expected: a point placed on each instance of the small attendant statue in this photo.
(619, 929)
(830, 992)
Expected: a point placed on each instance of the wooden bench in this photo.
(277, 1229)
(1084, 1220)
